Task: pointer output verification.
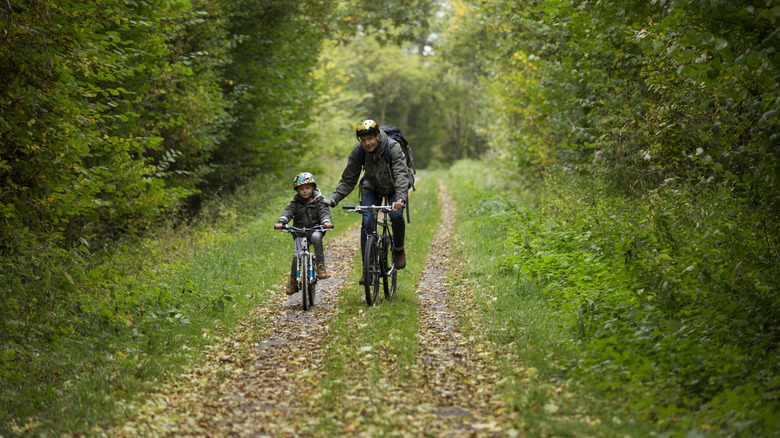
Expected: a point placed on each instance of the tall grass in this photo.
(144, 308)
(666, 304)
(520, 317)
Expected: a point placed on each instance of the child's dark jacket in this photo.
(306, 213)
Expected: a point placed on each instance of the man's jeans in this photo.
(371, 197)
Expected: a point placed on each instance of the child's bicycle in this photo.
(305, 273)
(378, 263)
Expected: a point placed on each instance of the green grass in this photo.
(635, 308)
(368, 345)
(519, 319)
(145, 309)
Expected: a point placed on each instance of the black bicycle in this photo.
(378, 263)
(305, 273)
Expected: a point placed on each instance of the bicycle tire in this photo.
(371, 268)
(305, 282)
(392, 277)
(313, 283)
(385, 264)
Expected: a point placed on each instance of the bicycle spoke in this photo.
(371, 269)
(304, 282)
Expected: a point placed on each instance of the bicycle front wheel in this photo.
(371, 269)
(305, 282)
(390, 279)
(312, 281)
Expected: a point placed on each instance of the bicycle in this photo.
(378, 263)
(305, 273)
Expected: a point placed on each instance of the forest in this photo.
(627, 150)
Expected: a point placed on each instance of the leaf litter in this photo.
(264, 378)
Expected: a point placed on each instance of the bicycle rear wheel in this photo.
(305, 282)
(371, 269)
(389, 277)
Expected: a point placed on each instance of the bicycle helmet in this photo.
(303, 178)
(366, 127)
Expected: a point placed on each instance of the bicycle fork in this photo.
(311, 267)
(310, 274)
(303, 252)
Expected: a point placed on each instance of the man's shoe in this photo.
(399, 258)
(322, 273)
(291, 287)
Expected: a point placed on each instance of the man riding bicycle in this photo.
(386, 176)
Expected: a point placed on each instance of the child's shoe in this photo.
(291, 287)
(322, 273)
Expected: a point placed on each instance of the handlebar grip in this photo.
(347, 207)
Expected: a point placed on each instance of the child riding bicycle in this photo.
(306, 209)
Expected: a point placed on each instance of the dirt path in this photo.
(456, 374)
(248, 383)
(452, 389)
(251, 383)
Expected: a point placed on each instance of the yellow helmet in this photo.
(366, 127)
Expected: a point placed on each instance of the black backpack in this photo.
(395, 134)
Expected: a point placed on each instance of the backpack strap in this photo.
(362, 153)
(389, 165)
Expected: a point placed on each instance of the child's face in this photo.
(305, 190)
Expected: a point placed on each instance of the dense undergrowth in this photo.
(142, 308)
(664, 303)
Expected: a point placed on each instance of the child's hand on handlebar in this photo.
(327, 226)
(278, 226)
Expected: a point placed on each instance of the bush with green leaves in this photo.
(667, 295)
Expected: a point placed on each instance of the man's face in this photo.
(369, 142)
(305, 190)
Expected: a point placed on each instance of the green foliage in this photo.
(268, 80)
(145, 307)
(663, 303)
(389, 21)
(526, 308)
(668, 296)
(112, 115)
(654, 126)
(396, 86)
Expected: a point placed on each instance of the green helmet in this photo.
(303, 178)
(366, 127)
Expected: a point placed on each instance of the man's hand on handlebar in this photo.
(278, 226)
(398, 205)
(327, 226)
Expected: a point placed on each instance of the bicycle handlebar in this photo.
(361, 208)
(292, 229)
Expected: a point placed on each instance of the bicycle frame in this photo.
(305, 274)
(377, 261)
